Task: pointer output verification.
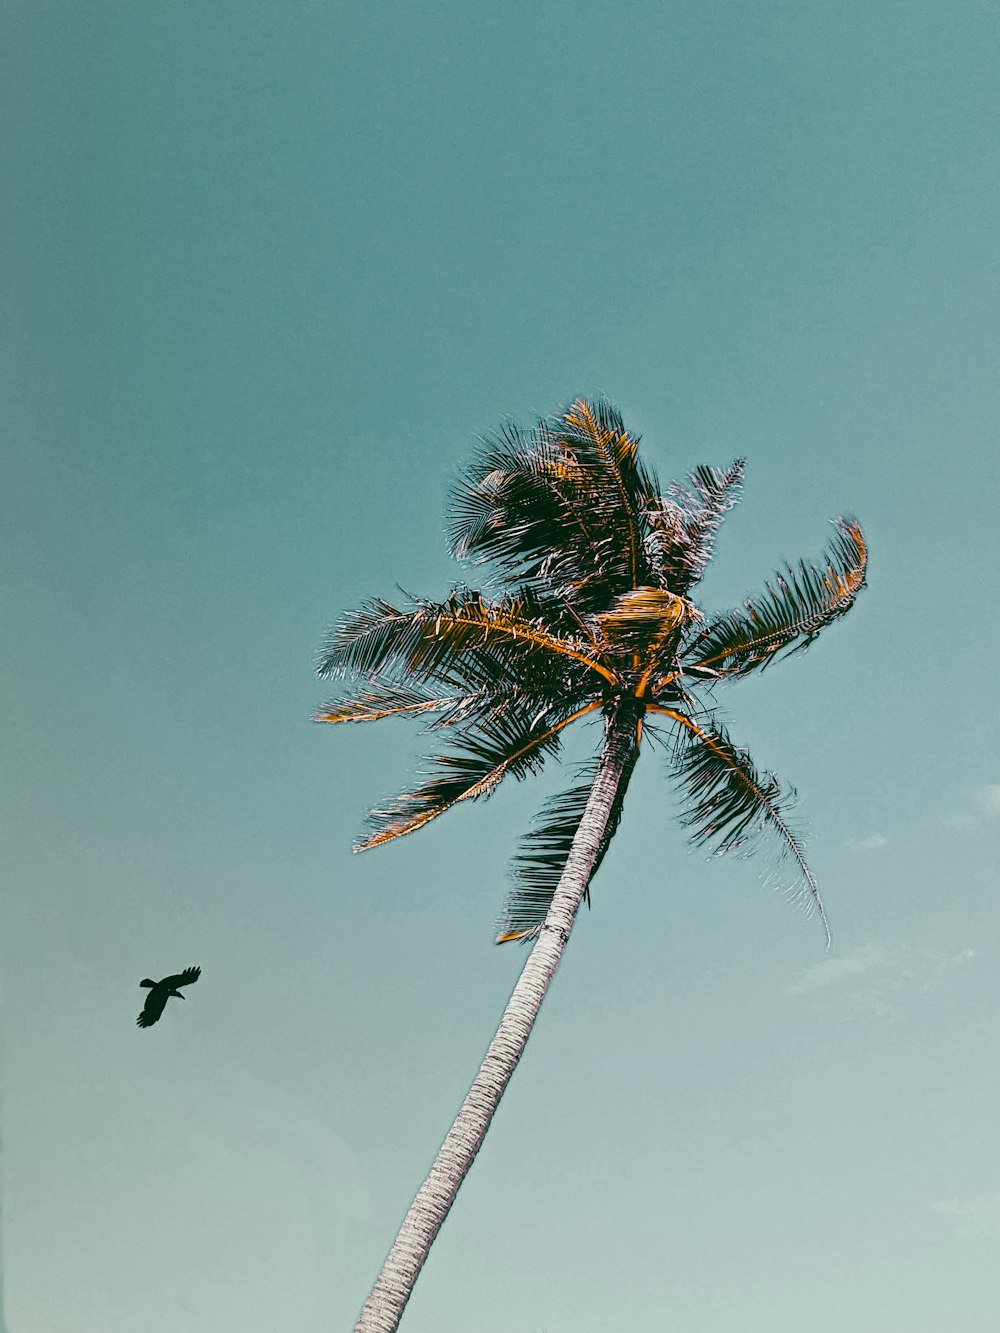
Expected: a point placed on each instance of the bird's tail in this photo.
(146, 982)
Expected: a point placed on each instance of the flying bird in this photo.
(161, 991)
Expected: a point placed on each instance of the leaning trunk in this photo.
(384, 1307)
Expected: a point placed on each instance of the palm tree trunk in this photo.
(384, 1307)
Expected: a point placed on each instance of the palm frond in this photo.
(479, 760)
(538, 866)
(429, 641)
(796, 605)
(729, 803)
(389, 698)
(641, 622)
(683, 524)
(561, 506)
(596, 433)
(520, 504)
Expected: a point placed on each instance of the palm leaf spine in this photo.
(531, 635)
(378, 634)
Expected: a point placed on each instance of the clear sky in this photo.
(268, 268)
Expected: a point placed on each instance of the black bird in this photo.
(161, 991)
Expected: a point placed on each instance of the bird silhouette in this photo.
(161, 991)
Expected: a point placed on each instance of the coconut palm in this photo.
(589, 613)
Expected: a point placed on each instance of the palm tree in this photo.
(589, 613)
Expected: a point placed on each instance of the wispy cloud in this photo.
(985, 802)
(870, 979)
(978, 1214)
(832, 971)
(987, 798)
(960, 821)
(870, 844)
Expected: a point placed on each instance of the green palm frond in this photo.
(537, 868)
(730, 804)
(429, 641)
(479, 760)
(522, 505)
(562, 506)
(389, 698)
(473, 690)
(596, 434)
(799, 603)
(683, 524)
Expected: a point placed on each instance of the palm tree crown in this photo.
(593, 568)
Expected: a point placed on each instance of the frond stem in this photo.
(376, 715)
(543, 640)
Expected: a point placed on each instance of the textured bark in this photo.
(384, 1307)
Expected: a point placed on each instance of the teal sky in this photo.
(267, 270)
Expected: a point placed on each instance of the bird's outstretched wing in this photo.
(153, 1008)
(185, 978)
